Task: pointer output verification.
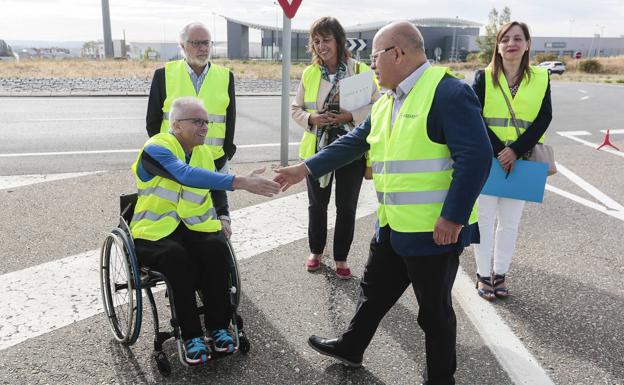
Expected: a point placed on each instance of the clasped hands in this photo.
(324, 118)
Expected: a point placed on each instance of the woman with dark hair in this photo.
(317, 109)
(509, 90)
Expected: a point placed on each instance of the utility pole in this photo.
(602, 27)
(108, 40)
(452, 56)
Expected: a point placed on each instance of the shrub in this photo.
(540, 57)
(590, 66)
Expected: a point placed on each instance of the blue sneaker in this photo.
(196, 352)
(223, 341)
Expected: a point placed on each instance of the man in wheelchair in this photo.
(181, 220)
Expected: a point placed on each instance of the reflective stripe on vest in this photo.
(213, 92)
(161, 192)
(154, 217)
(504, 122)
(163, 203)
(212, 118)
(411, 166)
(191, 221)
(198, 219)
(412, 197)
(526, 104)
(411, 173)
(311, 80)
(192, 197)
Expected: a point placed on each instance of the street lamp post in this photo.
(214, 28)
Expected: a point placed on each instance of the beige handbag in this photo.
(541, 152)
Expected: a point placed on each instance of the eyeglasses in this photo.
(198, 122)
(375, 55)
(199, 43)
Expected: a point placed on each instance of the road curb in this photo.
(44, 94)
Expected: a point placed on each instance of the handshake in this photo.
(284, 178)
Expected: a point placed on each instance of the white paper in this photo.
(355, 91)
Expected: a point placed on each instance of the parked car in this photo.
(554, 67)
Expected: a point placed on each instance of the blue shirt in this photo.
(454, 120)
(197, 80)
(159, 161)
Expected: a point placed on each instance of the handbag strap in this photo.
(511, 111)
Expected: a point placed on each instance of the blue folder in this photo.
(526, 182)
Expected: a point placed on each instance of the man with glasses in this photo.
(430, 156)
(196, 76)
(178, 226)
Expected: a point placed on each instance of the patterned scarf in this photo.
(327, 134)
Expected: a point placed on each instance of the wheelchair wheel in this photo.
(121, 287)
(235, 281)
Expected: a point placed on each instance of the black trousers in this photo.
(348, 183)
(191, 261)
(385, 279)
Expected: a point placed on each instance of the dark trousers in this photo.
(348, 182)
(191, 261)
(385, 278)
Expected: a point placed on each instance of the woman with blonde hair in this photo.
(316, 108)
(517, 110)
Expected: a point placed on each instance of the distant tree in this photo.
(486, 43)
(5, 49)
(151, 54)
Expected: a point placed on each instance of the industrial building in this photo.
(446, 37)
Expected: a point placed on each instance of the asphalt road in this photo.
(567, 307)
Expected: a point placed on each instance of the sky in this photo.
(161, 20)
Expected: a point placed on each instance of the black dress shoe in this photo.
(331, 348)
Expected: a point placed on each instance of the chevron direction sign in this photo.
(356, 45)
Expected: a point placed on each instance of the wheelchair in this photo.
(122, 281)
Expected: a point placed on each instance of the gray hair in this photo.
(185, 31)
(179, 107)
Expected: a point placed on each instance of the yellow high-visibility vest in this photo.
(526, 104)
(163, 203)
(213, 92)
(411, 173)
(311, 79)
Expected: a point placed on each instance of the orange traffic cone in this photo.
(607, 142)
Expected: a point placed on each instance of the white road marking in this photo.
(12, 181)
(35, 302)
(74, 119)
(585, 97)
(571, 135)
(43, 298)
(585, 202)
(515, 359)
(25, 154)
(582, 91)
(93, 152)
(593, 191)
(574, 133)
(617, 131)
